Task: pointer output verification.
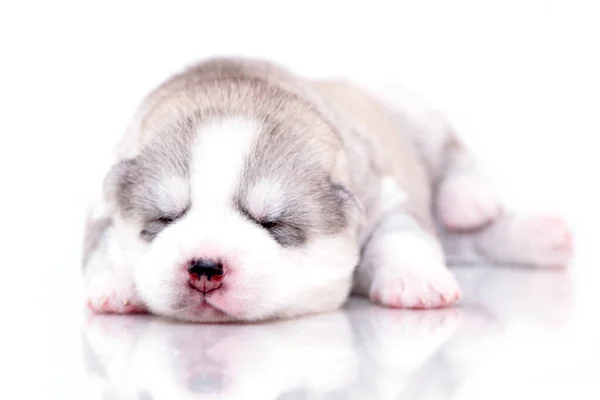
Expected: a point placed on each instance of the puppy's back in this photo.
(394, 154)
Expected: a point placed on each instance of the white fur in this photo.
(265, 198)
(391, 194)
(218, 157)
(174, 199)
(113, 290)
(402, 265)
(408, 270)
(263, 279)
(427, 127)
(466, 201)
(390, 197)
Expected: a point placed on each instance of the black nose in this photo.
(205, 266)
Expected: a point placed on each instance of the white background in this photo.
(520, 79)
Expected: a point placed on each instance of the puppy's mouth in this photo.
(201, 310)
(205, 306)
(205, 286)
(199, 300)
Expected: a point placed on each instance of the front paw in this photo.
(113, 293)
(415, 287)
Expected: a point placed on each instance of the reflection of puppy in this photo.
(242, 192)
(396, 345)
(178, 361)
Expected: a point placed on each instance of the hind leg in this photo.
(463, 198)
(518, 240)
(465, 201)
(473, 226)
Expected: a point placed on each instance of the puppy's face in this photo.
(236, 219)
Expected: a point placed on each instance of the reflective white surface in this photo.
(515, 328)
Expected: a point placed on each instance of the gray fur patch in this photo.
(311, 203)
(139, 184)
(297, 147)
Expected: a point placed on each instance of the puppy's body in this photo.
(243, 192)
(383, 139)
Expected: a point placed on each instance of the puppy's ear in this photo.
(117, 181)
(101, 212)
(349, 203)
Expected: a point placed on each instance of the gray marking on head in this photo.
(310, 203)
(143, 187)
(298, 147)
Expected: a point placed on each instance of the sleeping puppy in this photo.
(241, 192)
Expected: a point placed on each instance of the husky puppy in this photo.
(241, 192)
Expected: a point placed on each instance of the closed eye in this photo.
(154, 226)
(269, 225)
(164, 220)
(284, 233)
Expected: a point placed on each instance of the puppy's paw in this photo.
(421, 287)
(543, 241)
(465, 202)
(113, 293)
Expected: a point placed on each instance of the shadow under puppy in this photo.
(241, 192)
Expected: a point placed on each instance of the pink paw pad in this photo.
(106, 305)
(430, 289)
(547, 240)
(112, 293)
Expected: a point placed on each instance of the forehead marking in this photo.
(265, 198)
(218, 158)
(171, 193)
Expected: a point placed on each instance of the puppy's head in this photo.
(238, 216)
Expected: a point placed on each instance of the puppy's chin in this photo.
(262, 279)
